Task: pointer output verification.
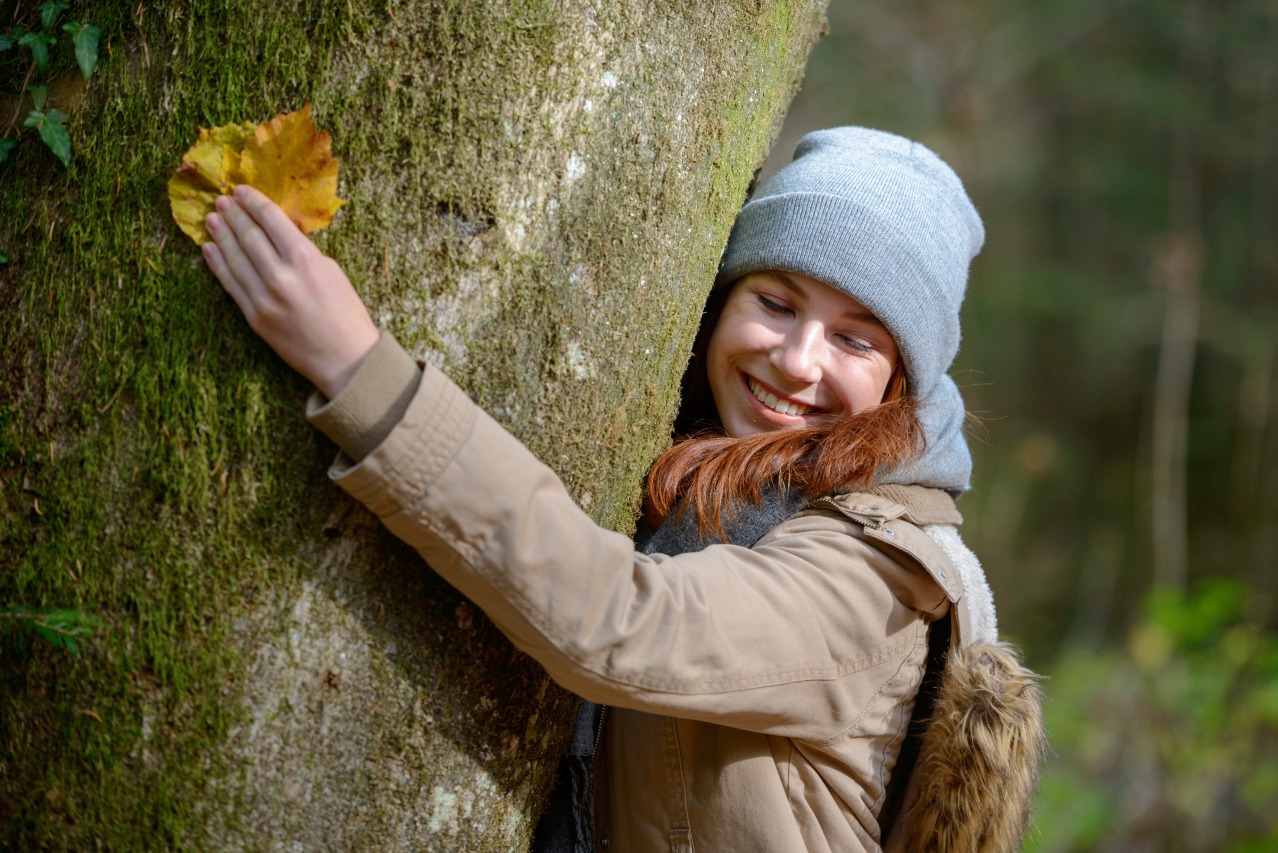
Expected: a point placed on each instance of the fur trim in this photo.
(978, 767)
(979, 600)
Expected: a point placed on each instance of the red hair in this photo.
(706, 471)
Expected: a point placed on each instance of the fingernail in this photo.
(222, 203)
(241, 190)
(212, 222)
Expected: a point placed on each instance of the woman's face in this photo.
(789, 348)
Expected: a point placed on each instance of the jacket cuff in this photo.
(396, 472)
(361, 416)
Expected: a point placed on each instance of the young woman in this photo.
(761, 651)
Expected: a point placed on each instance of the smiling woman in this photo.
(770, 645)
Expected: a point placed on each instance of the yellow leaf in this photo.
(216, 154)
(291, 163)
(209, 169)
(286, 158)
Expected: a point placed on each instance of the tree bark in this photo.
(537, 192)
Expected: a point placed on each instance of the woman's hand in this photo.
(299, 301)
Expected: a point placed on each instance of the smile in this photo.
(773, 402)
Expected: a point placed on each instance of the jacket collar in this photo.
(916, 504)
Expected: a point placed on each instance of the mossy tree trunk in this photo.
(538, 192)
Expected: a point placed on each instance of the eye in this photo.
(855, 344)
(774, 306)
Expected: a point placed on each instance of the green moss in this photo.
(140, 434)
(154, 466)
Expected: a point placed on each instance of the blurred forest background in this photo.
(1119, 347)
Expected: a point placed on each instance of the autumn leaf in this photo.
(209, 169)
(290, 162)
(286, 158)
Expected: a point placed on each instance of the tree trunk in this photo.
(537, 192)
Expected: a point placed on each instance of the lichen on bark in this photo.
(538, 192)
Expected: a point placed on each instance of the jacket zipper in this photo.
(603, 712)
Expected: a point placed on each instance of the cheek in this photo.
(884, 384)
(866, 387)
(719, 351)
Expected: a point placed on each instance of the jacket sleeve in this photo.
(793, 637)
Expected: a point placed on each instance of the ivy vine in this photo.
(49, 124)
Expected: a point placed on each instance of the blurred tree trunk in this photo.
(538, 193)
(1178, 266)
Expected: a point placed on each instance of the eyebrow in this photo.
(793, 286)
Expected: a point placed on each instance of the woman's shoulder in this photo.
(898, 525)
(920, 525)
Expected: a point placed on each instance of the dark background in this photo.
(1119, 347)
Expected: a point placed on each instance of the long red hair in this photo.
(707, 472)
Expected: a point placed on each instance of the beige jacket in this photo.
(758, 696)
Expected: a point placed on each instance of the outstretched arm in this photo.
(297, 300)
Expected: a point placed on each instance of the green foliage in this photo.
(1172, 743)
(62, 629)
(50, 126)
(39, 96)
(38, 44)
(49, 13)
(85, 37)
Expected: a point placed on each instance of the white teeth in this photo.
(772, 402)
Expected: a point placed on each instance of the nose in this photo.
(798, 356)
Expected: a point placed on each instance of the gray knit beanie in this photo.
(884, 220)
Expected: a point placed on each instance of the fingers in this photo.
(236, 263)
(252, 240)
(282, 231)
(217, 263)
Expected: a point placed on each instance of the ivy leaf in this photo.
(85, 37)
(38, 95)
(49, 14)
(62, 629)
(286, 158)
(13, 37)
(38, 43)
(6, 145)
(4, 259)
(52, 132)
